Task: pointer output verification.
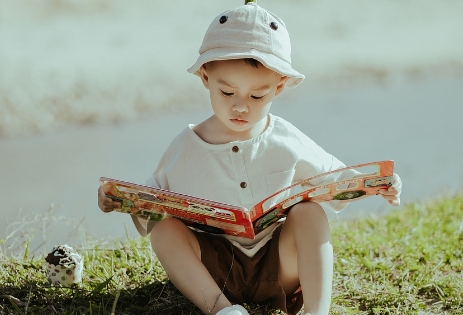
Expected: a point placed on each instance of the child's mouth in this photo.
(238, 121)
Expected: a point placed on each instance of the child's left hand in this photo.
(392, 194)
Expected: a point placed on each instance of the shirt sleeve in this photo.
(158, 180)
(314, 160)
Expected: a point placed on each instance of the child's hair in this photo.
(253, 62)
(250, 61)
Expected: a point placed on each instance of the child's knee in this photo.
(308, 212)
(166, 229)
(172, 233)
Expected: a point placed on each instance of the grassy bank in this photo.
(408, 262)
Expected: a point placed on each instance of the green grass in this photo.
(407, 262)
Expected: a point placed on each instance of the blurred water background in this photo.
(384, 80)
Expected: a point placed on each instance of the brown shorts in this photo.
(249, 280)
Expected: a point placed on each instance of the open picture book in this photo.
(220, 218)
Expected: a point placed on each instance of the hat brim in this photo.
(268, 60)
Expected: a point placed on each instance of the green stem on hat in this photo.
(247, 1)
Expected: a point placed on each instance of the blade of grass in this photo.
(113, 309)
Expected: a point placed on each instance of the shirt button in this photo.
(235, 149)
(243, 185)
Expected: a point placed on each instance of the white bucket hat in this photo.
(249, 31)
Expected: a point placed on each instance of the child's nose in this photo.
(240, 106)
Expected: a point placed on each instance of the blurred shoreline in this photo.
(78, 63)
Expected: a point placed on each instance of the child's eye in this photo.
(226, 94)
(257, 97)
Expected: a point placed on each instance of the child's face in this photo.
(241, 96)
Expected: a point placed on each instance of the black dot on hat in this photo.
(274, 26)
(223, 19)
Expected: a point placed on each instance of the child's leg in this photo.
(306, 256)
(179, 253)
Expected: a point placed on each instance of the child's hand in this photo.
(106, 204)
(392, 194)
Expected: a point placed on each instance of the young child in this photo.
(240, 155)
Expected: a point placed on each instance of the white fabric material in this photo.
(233, 310)
(278, 157)
(246, 32)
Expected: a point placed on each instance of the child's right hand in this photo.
(106, 204)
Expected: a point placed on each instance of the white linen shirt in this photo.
(241, 173)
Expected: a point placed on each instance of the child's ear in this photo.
(204, 76)
(281, 85)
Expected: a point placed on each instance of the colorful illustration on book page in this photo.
(342, 185)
